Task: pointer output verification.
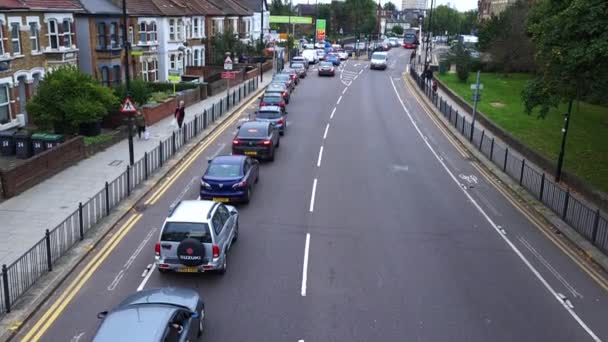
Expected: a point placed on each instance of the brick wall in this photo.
(42, 166)
(157, 112)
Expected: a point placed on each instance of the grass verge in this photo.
(98, 139)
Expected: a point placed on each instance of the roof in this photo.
(173, 7)
(142, 323)
(142, 7)
(230, 7)
(254, 5)
(232, 159)
(100, 7)
(205, 7)
(191, 211)
(61, 5)
(12, 4)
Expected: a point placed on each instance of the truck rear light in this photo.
(157, 249)
(216, 251)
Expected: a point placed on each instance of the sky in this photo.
(461, 5)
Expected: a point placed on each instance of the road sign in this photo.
(137, 53)
(229, 75)
(476, 99)
(474, 86)
(175, 78)
(228, 63)
(285, 19)
(320, 29)
(128, 107)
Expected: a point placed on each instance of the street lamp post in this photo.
(127, 77)
(262, 36)
(562, 151)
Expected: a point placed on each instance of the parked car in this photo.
(273, 99)
(274, 115)
(333, 58)
(300, 69)
(286, 79)
(300, 59)
(281, 88)
(155, 315)
(379, 60)
(320, 54)
(295, 77)
(326, 69)
(311, 56)
(230, 179)
(256, 139)
(196, 237)
(342, 54)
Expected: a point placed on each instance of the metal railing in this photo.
(19, 276)
(589, 222)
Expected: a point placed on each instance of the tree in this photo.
(67, 98)
(461, 58)
(397, 30)
(389, 6)
(224, 42)
(362, 14)
(140, 91)
(468, 22)
(570, 41)
(445, 19)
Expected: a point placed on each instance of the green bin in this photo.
(53, 140)
(38, 143)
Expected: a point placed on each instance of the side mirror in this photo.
(102, 315)
(238, 127)
(209, 160)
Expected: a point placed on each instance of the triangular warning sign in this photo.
(128, 106)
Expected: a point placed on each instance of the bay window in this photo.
(195, 28)
(172, 29)
(142, 33)
(114, 35)
(53, 34)
(144, 70)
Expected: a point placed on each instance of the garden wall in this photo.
(158, 111)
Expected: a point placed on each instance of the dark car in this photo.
(326, 69)
(229, 179)
(256, 139)
(333, 58)
(275, 115)
(286, 79)
(300, 69)
(273, 99)
(279, 87)
(300, 59)
(293, 74)
(155, 315)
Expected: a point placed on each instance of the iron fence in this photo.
(589, 222)
(19, 276)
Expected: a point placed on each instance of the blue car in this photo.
(333, 58)
(230, 179)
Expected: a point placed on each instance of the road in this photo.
(370, 225)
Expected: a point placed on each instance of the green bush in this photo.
(160, 96)
(461, 58)
(98, 139)
(166, 86)
(140, 91)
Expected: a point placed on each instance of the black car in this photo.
(275, 115)
(156, 315)
(256, 139)
(326, 69)
(273, 99)
(279, 88)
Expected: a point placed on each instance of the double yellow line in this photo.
(544, 228)
(43, 324)
(194, 155)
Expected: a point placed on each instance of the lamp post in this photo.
(127, 77)
(261, 35)
(562, 151)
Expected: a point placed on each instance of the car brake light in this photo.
(265, 142)
(242, 184)
(235, 142)
(284, 93)
(157, 249)
(293, 77)
(216, 251)
(282, 103)
(262, 104)
(280, 122)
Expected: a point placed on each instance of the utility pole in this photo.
(127, 77)
(475, 101)
(288, 30)
(428, 38)
(562, 151)
(262, 37)
(314, 36)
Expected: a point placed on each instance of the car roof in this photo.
(277, 84)
(176, 296)
(255, 124)
(191, 211)
(145, 322)
(271, 93)
(270, 109)
(231, 159)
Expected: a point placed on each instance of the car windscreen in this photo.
(379, 57)
(268, 115)
(326, 64)
(250, 132)
(179, 231)
(223, 170)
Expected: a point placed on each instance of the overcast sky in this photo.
(461, 5)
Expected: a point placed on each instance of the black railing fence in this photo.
(589, 222)
(19, 276)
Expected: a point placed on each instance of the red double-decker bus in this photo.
(410, 39)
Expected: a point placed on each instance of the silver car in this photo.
(196, 237)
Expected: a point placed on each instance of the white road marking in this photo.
(185, 191)
(143, 283)
(550, 267)
(77, 337)
(320, 156)
(493, 225)
(344, 91)
(471, 179)
(305, 265)
(400, 168)
(326, 129)
(332, 113)
(339, 99)
(312, 198)
(360, 72)
(220, 148)
(130, 261)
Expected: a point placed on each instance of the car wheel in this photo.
(248, 196)
(222, 270)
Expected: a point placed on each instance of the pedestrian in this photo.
(180, 113)
(434, 85)
(140, 122)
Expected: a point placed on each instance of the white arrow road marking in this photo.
(130, 261)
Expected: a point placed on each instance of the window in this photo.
(116, 79)
(121, 37)
(36, 82)
(154, 71)
(214, 27)
(218, 224)
(67, 34)
(114, 35)
(172, 62)
(4, 104)
(195, 28)
(142, 33)
(1, 39)
(15, 39)
(171, 29)
(197, 59)
(34, 37)
(144, 70)
(224, 213)
(105, 77)
(101, 35)
(180, 27)
(130, 34)
(188, 29)
(179, 231)
(153, 32)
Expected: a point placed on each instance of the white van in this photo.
(311, 56)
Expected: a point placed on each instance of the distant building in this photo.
(488, 8)
(413, 4)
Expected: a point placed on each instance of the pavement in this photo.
(369, 225)
(26, 217)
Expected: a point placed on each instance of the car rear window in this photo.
(252, 132)
(275, 86)
(326, 64)
(379, 56)
(297, 65)
(281, 77)
(179, 231)
(274, 98)
(224, 170)
(268, 115)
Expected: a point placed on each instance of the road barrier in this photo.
(20, 275)
(589, 222)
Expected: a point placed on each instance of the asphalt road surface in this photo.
(369, 225)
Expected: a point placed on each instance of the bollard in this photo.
(205, 119)
(49, 260)
(596, 223)
(7, 296)
(565, 209)
(504, 166)
(483, 133)
(81, 219)
(173, 143)
(146, 165)
(492, 150)
(196, 125)
(160, 153)
(542, 188)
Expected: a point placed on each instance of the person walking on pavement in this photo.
(180, 113)
(140, 122)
